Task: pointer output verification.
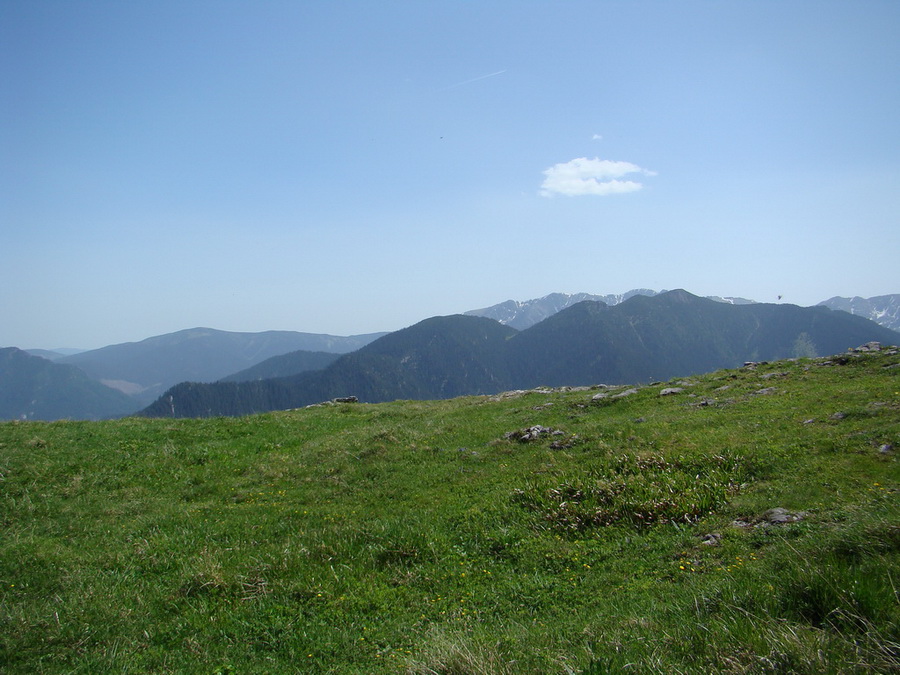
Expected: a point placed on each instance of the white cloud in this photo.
(596, 137)
(583, 176)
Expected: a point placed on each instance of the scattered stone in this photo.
(627, 392)
(886, 449)
(769, 376)
(838, 416)
(712, 539)
(809, 421)
(705, 402)
(532, 433)
(780, 516)
(776, 516)
(564, 443)
(600, 396)
(724, 387)
(671, 390)
(764, 391)
(516, 393)
(334, 401)
(640, 419)
(868, 347)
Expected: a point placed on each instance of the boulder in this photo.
(780, 516)
(533, 433)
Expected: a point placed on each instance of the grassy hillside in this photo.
(625, 534)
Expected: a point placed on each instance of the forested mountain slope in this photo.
(642, 339)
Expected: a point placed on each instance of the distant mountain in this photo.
(49, 354)
(145, 369)
(284, 365)
(882, 309)
(441, 357)
(35, 388)
(54, 354)
(676, 334)
(524, 314)
(641, 339)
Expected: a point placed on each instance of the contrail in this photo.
(474, 79)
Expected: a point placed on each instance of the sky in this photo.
(351, 167)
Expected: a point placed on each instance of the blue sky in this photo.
(350, 167)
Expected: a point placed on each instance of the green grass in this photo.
(415, 537)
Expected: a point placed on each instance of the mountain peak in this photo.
(679, 295)
(883, 309)
(524, 314)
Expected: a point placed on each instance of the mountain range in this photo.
(121, 379)
(882, 309)
(144, 370)
(644, 338)
(522, 315)
(36, 388)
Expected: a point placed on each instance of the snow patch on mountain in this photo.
(883, 309)
(524, 314)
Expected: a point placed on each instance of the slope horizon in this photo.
(72, 348)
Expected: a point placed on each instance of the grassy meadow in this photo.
(629, 535)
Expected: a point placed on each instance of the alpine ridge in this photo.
(882, 309)
(524, 314)
(645, 338)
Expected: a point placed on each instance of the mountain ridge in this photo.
(149, 367)
(883, 309)
(35, 388)
(644, 338)
(522, 314)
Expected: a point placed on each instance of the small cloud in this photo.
(583, 176)
(596, 137)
